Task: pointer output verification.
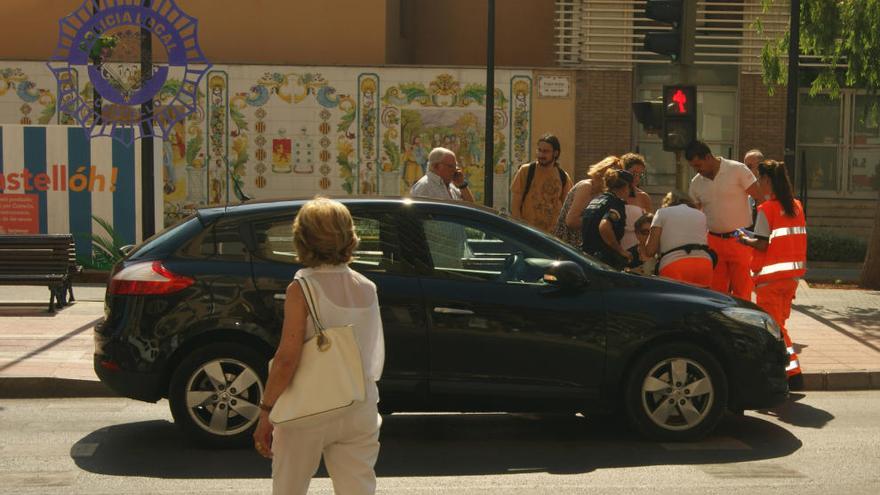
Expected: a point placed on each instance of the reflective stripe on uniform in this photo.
(782, 231)
(781, 267)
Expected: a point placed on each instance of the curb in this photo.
(51, 388)
(842, 380)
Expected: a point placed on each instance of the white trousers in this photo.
(349, 443)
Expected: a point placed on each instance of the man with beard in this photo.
(539, 187)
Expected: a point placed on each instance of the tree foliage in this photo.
(843, 34)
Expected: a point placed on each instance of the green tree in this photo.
(839, 32)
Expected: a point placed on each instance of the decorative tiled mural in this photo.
(272, 131)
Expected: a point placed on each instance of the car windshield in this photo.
(569, 249)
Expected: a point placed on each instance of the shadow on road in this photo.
(799, 414)
(444, 445)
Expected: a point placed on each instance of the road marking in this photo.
(752, 470)
(718, 443)
(36, 479)
(83, 449)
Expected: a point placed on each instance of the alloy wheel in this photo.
(222, 396)
(677, 394)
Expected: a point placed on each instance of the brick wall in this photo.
(761, 118)
(603, 117)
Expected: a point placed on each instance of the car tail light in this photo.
(150, 278)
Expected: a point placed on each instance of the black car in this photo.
(481, 313)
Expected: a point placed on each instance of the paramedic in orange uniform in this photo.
(721, 189)
(781, 232)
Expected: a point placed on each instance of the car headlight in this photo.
(755, 318)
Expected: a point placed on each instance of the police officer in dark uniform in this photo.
(604, 219)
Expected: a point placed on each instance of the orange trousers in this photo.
(775, 298)
(732, 274)
(694, 271)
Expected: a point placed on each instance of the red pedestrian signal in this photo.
(681, 100)
(679, 116)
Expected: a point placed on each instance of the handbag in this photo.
(329, 377)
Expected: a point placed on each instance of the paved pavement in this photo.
(836, 333)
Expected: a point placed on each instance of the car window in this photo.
(220, 241)
(376, 252)
(476, 252)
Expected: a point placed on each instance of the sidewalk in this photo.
(836, 334)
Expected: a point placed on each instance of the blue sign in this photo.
(102, 40)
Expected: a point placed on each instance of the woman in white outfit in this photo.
(324, 238)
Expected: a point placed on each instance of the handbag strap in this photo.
(310, 302)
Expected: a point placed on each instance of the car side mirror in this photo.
(565, 275)
(127, 249)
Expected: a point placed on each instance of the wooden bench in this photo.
(39, 259)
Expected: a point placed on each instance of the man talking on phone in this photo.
(444, 178)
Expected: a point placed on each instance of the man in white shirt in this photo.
(752, 158)
(447, 242)
(721, 189)
(444, 178)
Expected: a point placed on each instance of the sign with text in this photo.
(554, 86)
(19, 214)
(113, 44)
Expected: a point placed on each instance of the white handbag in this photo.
(329, 377)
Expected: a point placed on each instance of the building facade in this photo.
(345, 96)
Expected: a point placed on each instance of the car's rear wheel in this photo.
(215, 393)
(676, 392)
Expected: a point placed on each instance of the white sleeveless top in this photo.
(344, 296)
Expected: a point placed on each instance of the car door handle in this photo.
(452, 311)
(280, 297)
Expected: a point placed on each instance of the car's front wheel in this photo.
(215, 393)
(676, 392)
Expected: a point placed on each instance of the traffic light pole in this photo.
(791, 105)
(686, 75)
(489, 154)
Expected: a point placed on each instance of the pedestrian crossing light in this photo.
(677, 40)
(679, 116)
(650, 115)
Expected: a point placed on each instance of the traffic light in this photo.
(677, 42)
(650, 115)
(679, 116)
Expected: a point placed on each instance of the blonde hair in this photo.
(596, 173)
(323, 233)
(675, 198)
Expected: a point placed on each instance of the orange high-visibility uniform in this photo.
(731, 274)
(784, 262)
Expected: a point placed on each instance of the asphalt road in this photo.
(822, 443)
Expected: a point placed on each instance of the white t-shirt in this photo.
(681, 225)
(724, 199)
(629, 239)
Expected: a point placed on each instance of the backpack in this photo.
(563, 175)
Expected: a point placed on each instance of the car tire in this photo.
(215, 393)
(676, 392)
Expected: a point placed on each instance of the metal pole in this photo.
(489, 155)
(792, 90)
(804, 184)
(148, 207)
(97, 101)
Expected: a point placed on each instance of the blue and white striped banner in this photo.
(74, 178)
